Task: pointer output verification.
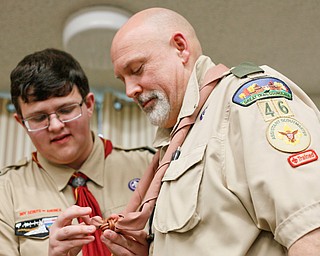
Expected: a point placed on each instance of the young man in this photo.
(54, 104)
(244, 181)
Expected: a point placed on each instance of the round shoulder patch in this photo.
(132, 184)
(288, 135)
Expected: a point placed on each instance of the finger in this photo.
(124, 244)
(74, 232)
(66, 217)
(140, 236)
(71, 243)
(68, 247)
(96, 220)
(109, 239)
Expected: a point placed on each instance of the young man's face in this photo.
(67, 143)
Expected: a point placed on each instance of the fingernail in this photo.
(91, 228)
(107, 233)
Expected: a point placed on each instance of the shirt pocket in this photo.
(178, 199)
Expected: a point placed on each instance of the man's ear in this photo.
(90, 103)
(179, 41)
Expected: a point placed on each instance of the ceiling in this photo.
(283, 34)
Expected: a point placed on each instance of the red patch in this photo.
(302, 158)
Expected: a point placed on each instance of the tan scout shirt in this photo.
(231, 191)
(31, 197)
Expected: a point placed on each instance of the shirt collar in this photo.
(190, 101)
(92, 167)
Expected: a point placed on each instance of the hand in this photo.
(127, 243)
(66, 239)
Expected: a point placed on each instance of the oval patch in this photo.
(288, 135)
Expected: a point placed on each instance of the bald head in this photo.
(158, 24)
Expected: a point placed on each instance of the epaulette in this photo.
(22, 162)
(245, 69)
(150, 149)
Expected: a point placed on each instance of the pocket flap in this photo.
(183, 163)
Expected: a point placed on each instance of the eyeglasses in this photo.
(65, 114)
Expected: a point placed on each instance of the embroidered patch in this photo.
(35, 228)
(274, 108)
(302, 158)
(261, 88)
(37, 211)
(288, 135)
(132, 184)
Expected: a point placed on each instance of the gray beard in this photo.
(159, 113)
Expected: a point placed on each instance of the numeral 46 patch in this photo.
(274, 108)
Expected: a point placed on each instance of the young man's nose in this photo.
(55, 122)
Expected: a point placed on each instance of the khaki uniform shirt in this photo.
(32, 197)
(233, 190)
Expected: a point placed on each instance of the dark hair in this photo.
(46, 74)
